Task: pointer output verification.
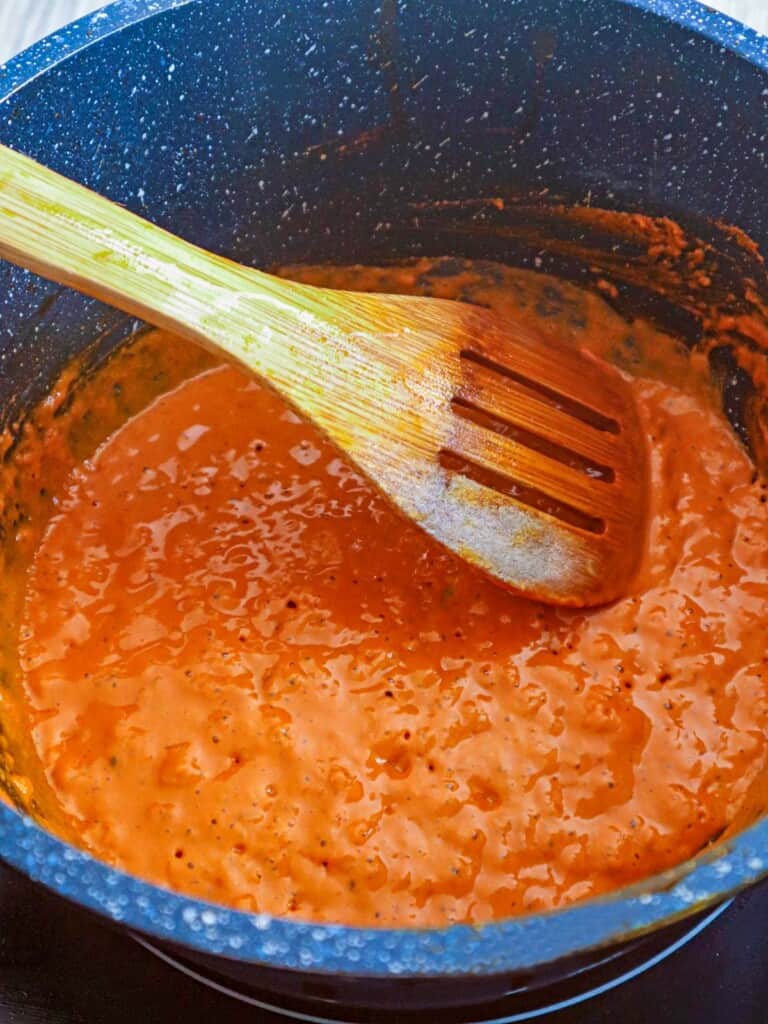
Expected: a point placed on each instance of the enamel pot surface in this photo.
(318, 131)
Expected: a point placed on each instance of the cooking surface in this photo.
(24, 21)
(58, 966)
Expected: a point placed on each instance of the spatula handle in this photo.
(63, 231)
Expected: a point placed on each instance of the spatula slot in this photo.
(566, 403)
(504, 484)
(499, 425)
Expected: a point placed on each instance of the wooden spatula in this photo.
(524, 457)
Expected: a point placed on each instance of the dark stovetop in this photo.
(60, 966)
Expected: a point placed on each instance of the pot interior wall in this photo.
(352, 131)
(315, 134)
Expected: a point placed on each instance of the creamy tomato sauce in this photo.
(249, 679)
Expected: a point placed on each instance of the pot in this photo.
(348, 130)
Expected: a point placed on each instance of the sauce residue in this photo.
(249, 679)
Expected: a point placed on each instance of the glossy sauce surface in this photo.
(249, 679)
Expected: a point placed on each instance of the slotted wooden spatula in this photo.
(524, 457)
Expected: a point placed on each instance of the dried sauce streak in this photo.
(249, 679)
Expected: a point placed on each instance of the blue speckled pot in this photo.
(239, 124)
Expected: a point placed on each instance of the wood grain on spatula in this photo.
(523, 456)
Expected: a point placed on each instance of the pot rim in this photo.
(507, 946)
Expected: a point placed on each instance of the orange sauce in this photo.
(247, 678)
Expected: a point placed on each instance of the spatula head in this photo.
(524, 457)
